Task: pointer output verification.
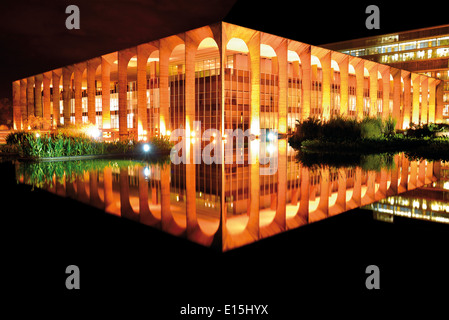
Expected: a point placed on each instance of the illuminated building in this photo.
(269, 82)
(425, 51)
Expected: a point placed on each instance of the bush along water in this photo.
(370, 135)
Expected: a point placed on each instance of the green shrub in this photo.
(390, 126)
(371, 128)
(340, 129)
(161, 144)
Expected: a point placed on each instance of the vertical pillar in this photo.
(189, 93)
(164, 55)
(326, 85)
(126, 209)
(323, 206)
(394, 177)
(92, 66)
(424, 99)
(303, 211)
(30, 97)
(78, 76)
(17, 115)
(46, 111)
(142, 120)
(432, 101)
(382, 191)
(439, 101)
(340, 203)
(23, 102)
(281, 53)
(360, 83)
(344, 85)
(66, 93)
(38, 95)
(407, 99)
(397, 88)
(386, 93)
(412, 183)
(123, 59)
(421, 173)
(404, 174)
(106, 93)
(281, 211)
(56, 77)
(306, 67)
(94, 198)
(254, 53)
(166, 215)
(373, 84)
(254, 189)
(416, 92)
(109, 204)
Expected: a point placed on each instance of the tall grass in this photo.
(61, 144)
(29, 144)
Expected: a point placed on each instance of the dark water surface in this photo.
(146, 243)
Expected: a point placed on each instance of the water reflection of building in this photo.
(429, 202)
(269, 82)
(235, 207)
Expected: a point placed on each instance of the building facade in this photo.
(226, 77)
(424, 51)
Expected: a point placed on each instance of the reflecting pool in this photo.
(229, 205)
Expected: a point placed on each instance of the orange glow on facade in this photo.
(264, 82)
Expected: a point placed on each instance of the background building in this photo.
(425, 51)
(269, 82)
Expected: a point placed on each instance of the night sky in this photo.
(34, 37)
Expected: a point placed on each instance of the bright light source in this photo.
(146, 147)
(271, 136)
(271, 149)
(94, 132)
(146, 172)
(168, 133)
(37, 135)
(192, 134)
(192, 140)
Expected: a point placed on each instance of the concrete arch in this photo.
(316, 103)
(46, 100)
(93, 83)
(146, 214)
(166, 47)
(77, 90)
(151, 100)
(109, 99)
(84, 98)
(294, 94)
(132, 96)
(38, 88)
(335, 89)
(67, 74)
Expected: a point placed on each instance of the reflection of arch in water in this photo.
(355, 200)
(369, 190)
(301, 215)
(318, 207)
(340, 198)
(202, 67)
